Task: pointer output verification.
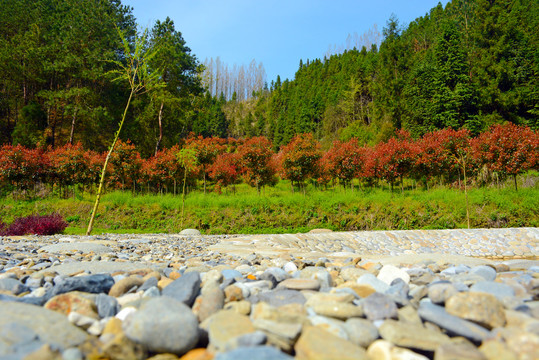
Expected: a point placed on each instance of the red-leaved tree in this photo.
(344, 160)
(255, 162)
(224, 170)
(206, 150)
(507, 149)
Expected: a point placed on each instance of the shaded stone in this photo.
(453, 324)
(384, 350)
(482, 308)
(352, 273)
(233, 293)
(408, 314)
(318, 273)
(255, 352)
(361, 332)
(398, 292)
(231, 274)
(496, 350)
(242, 307)
(411, 335)
(72, 301)
(13, 285)
(51, 327)
(184, 289)
(121, 347)
(315, 343)
(163, 324)
(291, 313)
(124, 285)
(224, 326)
(378, 307)
(331, 325)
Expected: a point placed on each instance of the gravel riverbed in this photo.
(364, 295)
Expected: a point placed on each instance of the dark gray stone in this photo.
(13, 285)
(279, 297)
(151, 282)
(398, 292)
(185, 289)
(453, 324)
(256, 352)
(275, 275)
(96, 284)
(106, 305)
(378, 307)
(163, 324)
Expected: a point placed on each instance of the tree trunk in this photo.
(72, 126)
(160, 120)
(466, 196)
(515, 178)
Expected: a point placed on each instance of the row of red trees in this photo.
(506, 150)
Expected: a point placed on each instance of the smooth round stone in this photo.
(300, 284)
(352, 273)
(332, 325)
(411, 335)
(185, 289)
(439, 292)
(84, 247)
(388, 273)
(497, 289)
(290, 267)
(482, 308)
(15, 286)
(384, 350)
(338, 310)
(486, 272)
(107, 306)
(281, 297)
(231, 274)
(318, 273)
(225, 326)
(124, 285)
(163, 325)
(190, 232)
(276, 275)
(378, 307)
(361, 332)
(255, 352)
(371, 280)
(316, 343)
(454, 270)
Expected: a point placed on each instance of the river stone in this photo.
(125, 284)
(73, 301)
(97, 267)
(163, 324)
(212, 300)
(375, 283)
(338, 310)
(107, 306)
(300, 284)
(352, 273)
(388, 273)
(486, 272)
(96, 284)
(13, 285)
(319, 273)
(16, 341)
(231, 274)
(459, 351)
(83, 247)
(331, 325)
(315, 343)
(280, 297)
(361, 332)
(499, 290)
(225, 326)
(384, 350)
(185, 289)
(412, 336)
(482, 308)
(378, 307)
(453, 324)
(190, 232)
(289, 331)
(255, 352)
(51, 327)
(440, 291)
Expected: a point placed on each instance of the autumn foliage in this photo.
(444, 155)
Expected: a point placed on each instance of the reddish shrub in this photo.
(35, 225)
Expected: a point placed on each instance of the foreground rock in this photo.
(170, 297)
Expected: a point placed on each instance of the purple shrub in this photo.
(35, 225)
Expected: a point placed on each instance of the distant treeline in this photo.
(469, 65)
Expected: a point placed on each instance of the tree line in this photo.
(468, 65)
(444, 156)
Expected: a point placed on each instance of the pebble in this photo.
(170, 297)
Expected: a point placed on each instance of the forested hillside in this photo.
(469, 65)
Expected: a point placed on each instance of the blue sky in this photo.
(277, 33)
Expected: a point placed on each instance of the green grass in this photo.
(278, 210)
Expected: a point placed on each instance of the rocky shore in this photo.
(375, 295)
